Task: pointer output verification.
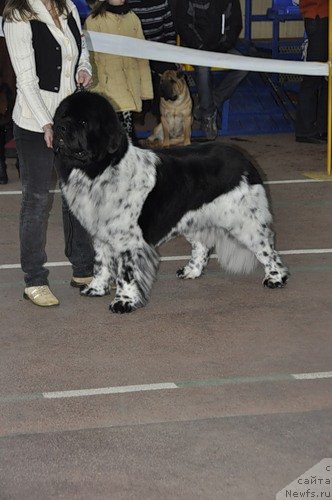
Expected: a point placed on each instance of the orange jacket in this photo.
(313, 8)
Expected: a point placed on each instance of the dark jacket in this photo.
(48, 53)
(208, 24)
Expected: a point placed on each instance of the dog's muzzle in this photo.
(167, 91)
(168, 96)
(58, 143)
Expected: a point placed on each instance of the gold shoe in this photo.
(41, 296)
(81, 282)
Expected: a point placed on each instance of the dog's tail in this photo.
(147, 262)
(232, 256)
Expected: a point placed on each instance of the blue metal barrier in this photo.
(284, 10)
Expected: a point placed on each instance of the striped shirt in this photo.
(156, 19)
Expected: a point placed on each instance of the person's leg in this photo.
(309, 114)
(306, 111)
(155, 102)
(228, 83)
(36, 164)
(321, 124)
(205, 91)
(3, 167)
(78, 246)
(207, 109)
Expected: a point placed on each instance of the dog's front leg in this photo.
(187, 130)
(165, 126)
(104, 271)
(137, 270)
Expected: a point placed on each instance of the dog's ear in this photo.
(114, 142)
(116, 137)
(180, 73)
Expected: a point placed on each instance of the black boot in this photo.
(3, 173)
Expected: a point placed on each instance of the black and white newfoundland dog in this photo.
(131, 200)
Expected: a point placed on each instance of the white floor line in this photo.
(294, 181)
(312, 376)
(183, 384)
(171, 258)
(290, 181)
(56, 191)
(180, 385)
(109, 390)
(305, 251)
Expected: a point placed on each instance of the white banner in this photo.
(126, 46)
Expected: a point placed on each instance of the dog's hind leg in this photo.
(157, 135)
(243, 220)
(258, 238)
(137, 270)
(104, 271)
(199, 258)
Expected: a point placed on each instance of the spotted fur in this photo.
(131, 200)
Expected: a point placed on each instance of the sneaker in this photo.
(81, 282)
(209, 126)
(312, 139)
(41, 296)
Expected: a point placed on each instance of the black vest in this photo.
(48, 56)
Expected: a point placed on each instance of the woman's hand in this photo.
(48, 134)
(84, 78)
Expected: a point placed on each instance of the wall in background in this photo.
(291, 29)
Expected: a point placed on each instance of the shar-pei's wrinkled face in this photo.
(172, 84)
(86, 131)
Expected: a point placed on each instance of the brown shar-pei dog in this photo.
(175, 111)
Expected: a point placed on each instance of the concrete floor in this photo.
(233, 424)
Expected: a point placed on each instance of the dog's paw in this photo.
(121, 307)
(187, 273)
(273, 282)
(94, 291)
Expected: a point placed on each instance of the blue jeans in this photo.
(36, 169)
(211, 97)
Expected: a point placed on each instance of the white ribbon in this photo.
(127, 46)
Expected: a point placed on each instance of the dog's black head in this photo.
(87, 134)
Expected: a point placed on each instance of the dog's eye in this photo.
(83, 122)
(79, 154)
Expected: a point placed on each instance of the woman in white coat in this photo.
(49, 56)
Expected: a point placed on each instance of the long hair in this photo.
(98, 8)
(21, 10)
